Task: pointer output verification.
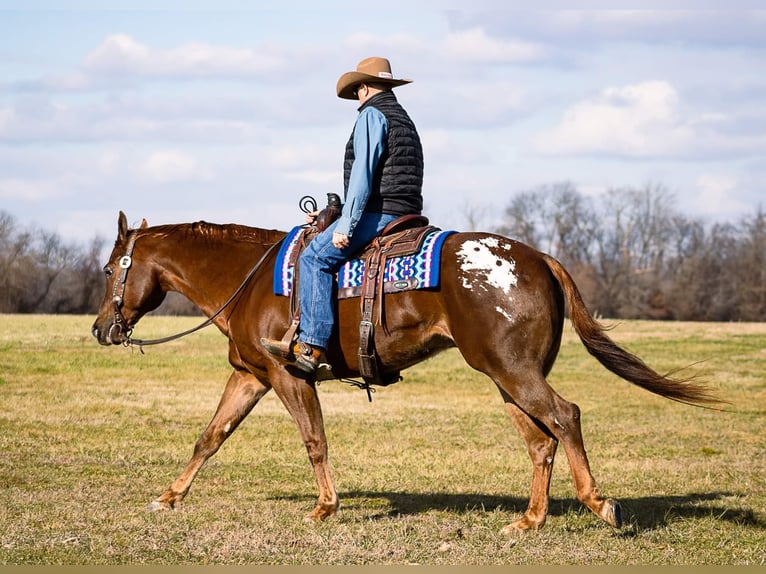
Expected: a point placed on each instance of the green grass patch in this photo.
(428, 473)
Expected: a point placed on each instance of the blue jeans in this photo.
(317, 267)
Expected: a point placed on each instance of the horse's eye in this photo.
(108, 271)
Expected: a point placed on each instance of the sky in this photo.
(225, 111)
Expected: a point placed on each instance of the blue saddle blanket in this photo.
(416, 271)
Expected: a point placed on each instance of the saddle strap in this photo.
(368, 359)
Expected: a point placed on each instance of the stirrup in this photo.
(283, 348)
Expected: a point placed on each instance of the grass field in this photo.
(428, 473)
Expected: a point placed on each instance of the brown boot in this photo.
(307, 357)
(302, 355)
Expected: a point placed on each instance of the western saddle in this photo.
(403, 236)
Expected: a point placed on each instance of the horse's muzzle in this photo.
(110, 334)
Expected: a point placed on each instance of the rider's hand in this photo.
(339, 240)
(311, 217)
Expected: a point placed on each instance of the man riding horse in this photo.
(383, 180)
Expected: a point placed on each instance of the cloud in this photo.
(167, 117)
(166, 166)
(582, 29)
(649, 120)
(122, 54)
(639, 120)
(474, 45)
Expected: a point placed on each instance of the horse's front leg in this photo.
(242, 393)
(300, 398)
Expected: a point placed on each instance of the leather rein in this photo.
(118, 293)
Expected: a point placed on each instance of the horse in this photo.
(500, 302)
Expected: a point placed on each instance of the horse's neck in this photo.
(207, 269)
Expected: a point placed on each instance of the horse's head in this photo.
(132, 287)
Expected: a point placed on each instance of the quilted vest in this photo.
(398, 179)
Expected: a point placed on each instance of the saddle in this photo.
(403, 236)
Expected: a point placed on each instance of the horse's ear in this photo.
(122, 227)
(144, 225)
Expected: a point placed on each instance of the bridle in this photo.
(118, 293)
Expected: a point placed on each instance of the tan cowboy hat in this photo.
(373, 70)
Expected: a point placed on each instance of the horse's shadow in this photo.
(640, 514)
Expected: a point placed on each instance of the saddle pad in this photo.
(417, 271)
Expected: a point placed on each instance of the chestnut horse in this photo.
(501, 303)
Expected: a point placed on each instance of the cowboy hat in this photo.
(372, 70)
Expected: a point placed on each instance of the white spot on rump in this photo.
(477, 261)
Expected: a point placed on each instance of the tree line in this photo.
(631, 252)
(42, 273)
(635, 256)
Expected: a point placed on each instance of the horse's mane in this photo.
(215, 232)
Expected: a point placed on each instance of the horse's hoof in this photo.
(315, 517)
(321, 512)
(523, 524)
(158, 506)
(510, 530)
(614, 513)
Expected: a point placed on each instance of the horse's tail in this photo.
(618, 360)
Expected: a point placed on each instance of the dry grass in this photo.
(428, 472)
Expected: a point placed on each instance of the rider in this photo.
(383, 179)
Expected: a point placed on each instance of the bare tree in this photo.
(553, 218)
(50, 258)
(83, 282)
(475, 216)
(636, 228)
(751, 267)
(15, 263)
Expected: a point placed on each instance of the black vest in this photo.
(398, 179)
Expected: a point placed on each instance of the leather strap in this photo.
(368, 360)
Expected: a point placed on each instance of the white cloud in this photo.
(585, 27)
(476, 46)
(650, 120)
(120, 53)
(167, 166)
(640, 120)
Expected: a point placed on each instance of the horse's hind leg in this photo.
(540, 402)
(541, 446)
(242, 393)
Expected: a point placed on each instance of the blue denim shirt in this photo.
(370, 132)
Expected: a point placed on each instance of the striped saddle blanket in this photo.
(417, 271)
